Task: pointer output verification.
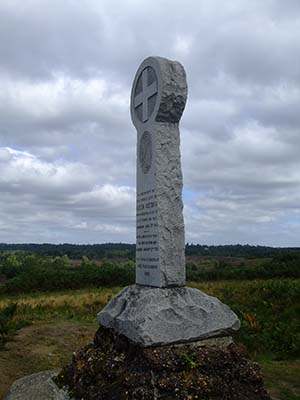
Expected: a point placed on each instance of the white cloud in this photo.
(25, 173)
(67, 145)
(40, 198)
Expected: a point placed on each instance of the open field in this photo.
(41, 346)
(80, 305)
(59, 323)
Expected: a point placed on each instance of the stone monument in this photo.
(158, 99)
(159, 309)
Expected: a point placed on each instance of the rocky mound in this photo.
(113, 368)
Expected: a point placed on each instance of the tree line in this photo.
(126, 250)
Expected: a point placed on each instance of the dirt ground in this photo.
(39, 347)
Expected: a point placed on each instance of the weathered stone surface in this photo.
(38, 386)
(154, 316)
(174, 90)
(158, 99)
(113, 368)
(168, 80)
(169, 203)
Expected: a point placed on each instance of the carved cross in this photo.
(146, 93)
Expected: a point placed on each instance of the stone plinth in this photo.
(155, 316)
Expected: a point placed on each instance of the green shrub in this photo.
(54, 276)
(269, 311)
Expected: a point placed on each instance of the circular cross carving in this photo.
(145, 94)
(145, 152)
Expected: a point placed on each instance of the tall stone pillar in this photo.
(158, 99)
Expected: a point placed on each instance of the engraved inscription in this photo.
(145, 152)
(147, 247)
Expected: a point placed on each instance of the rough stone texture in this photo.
(113, 368)
(154, 316)
(173, 91)
(38, 386)
(170, 206)
(158, 99)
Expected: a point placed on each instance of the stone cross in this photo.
(142, 97)
(158, 99)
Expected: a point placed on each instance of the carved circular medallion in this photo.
(145, 94)
(145, 152)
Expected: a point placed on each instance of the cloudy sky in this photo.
(67, 144)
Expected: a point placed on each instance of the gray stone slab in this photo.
(160, 316)
(39, 386)
(158, 99)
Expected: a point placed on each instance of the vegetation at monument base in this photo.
(258, 329)
(37, 289)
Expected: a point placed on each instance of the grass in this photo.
(282, 378)
(57, 325)
(269, 311)
(42, 346)
(80, 305)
